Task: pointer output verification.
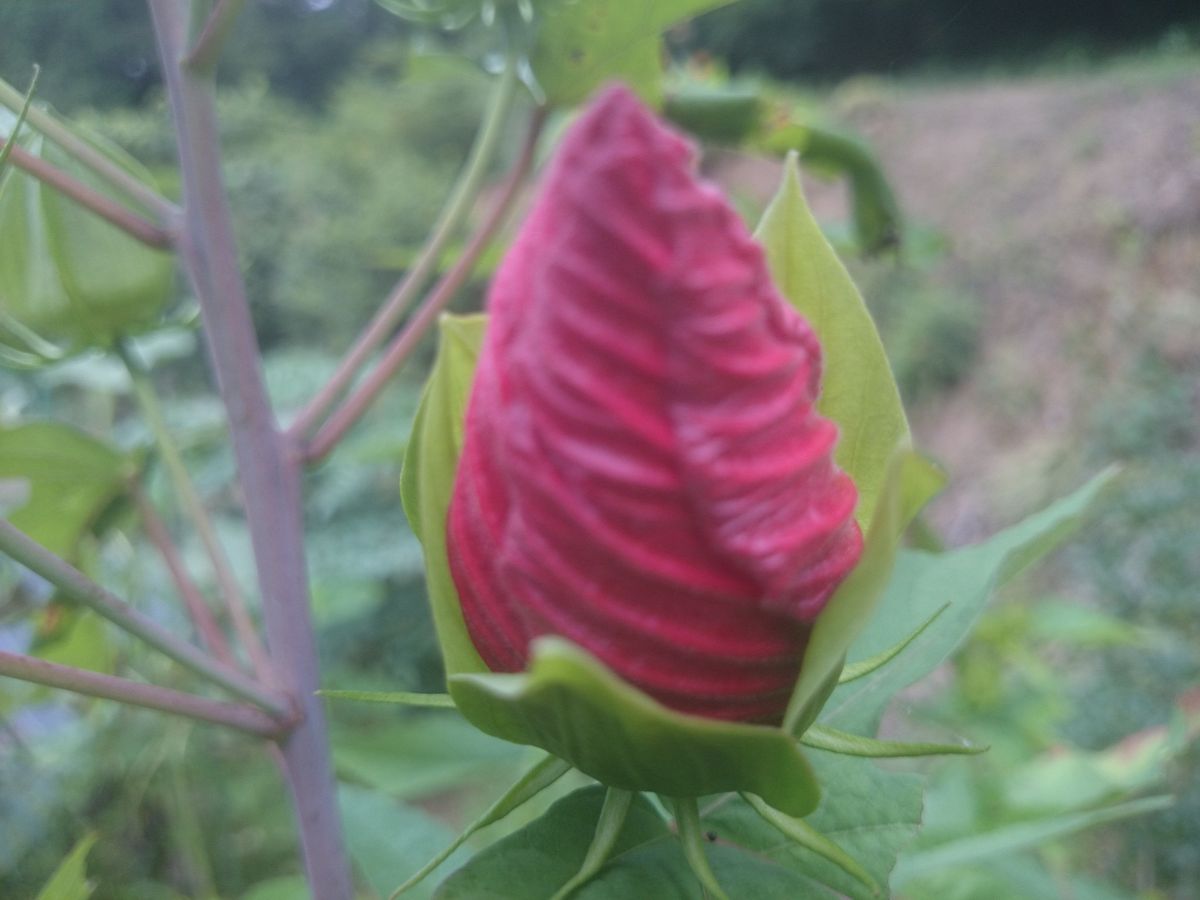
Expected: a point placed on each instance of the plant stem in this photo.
(687, 821)
(608, 829)
(207, 50)
(484, 149)
(146, 197)
(247, 719)
(197, 512)
(78, 587)
(268, 470)
(92, 200)
(427, 314)
(206, 625)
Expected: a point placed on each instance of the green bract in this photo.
(70, 281)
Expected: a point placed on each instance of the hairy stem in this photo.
(427, 314)
(486, 142)
(247, 719)
(146, 197)
(78, 587)
(269, 473)
(197, 512)
(206, 625)
(92, 200)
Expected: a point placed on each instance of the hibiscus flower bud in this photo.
(644, 471)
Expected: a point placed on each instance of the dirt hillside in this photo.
(1070, 208)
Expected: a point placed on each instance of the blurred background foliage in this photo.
(1041, 312)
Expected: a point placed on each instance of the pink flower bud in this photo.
(644, 472)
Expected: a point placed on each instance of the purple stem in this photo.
(268, 467)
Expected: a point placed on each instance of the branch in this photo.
(247, 719)
(105, 207)
(202, 618)
(268, 472)
(452, 216)
(207, 50)
(197, 512)
(424, 318)
(78, 587)
(146, 197)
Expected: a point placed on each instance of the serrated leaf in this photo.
(70, 478)
(580, 46)
(869, 813)
(570, 705)
(923, 582)
(858, 391)
(69, 881)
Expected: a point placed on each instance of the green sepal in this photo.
(910, 481)
(427, 478)
(822, 737)
(865, 667)
(543, 774)
(858, 390)
(570, 705)
(396, 698)
(608, 832)
(800, 832)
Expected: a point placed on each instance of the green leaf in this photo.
(66, 274)
(868, 813)
(573, 707)
(1021, 836)
(910, 481)
(388, 840)
(401, 698)
(427, 479)
(924, 582)
(544, 855)
(858, 391)
(580, 46)
(70, 479)
(421, 754)
(821, 737)
(528, 786)
(69, 881)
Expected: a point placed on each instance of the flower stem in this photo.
(197, 512)
(608, 829)
(268, 470)
(92, 200)
(247, 719)
(78, 587)
(687, 820)
(487, 140)
(153, 202)
(426, 316)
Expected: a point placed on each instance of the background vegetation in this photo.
(1042, 315)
